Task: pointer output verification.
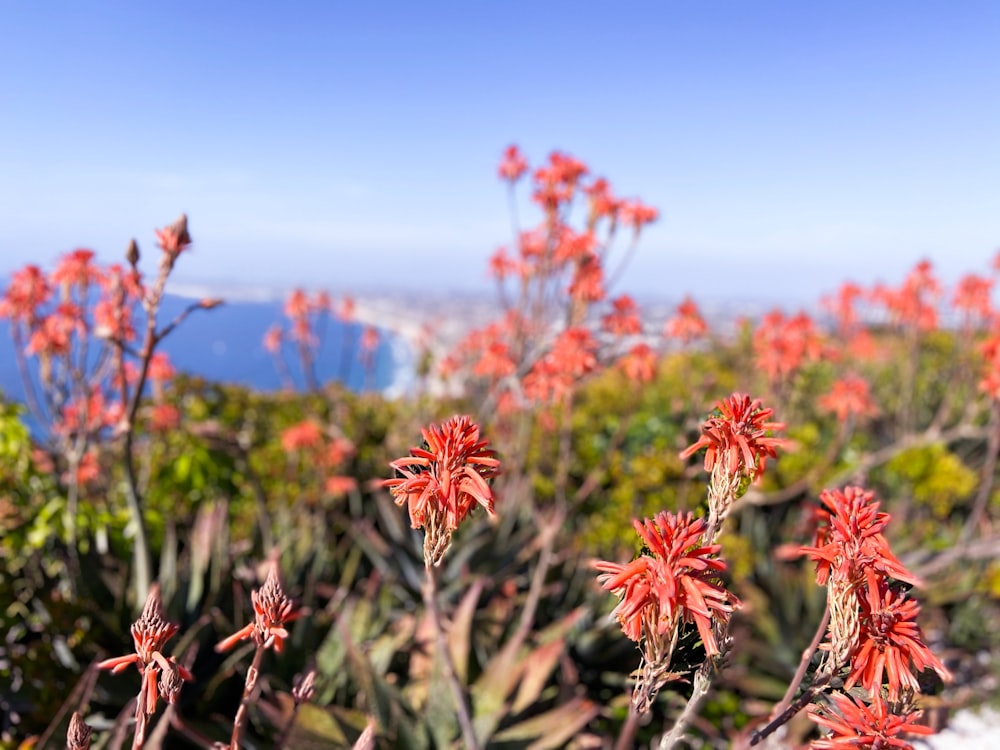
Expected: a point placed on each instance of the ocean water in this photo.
(225, 345)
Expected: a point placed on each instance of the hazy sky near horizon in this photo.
(353, 145)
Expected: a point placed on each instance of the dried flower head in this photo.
(444, 480)
(304, 686)
(272, 611)
(78, 735)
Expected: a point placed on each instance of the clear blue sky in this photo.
(789, 145)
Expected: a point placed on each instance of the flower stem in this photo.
(702, 682)
(249, 690)
(429, 590)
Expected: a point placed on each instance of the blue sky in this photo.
(788, 145)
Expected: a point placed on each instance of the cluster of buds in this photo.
(272, 609)
(161, 676)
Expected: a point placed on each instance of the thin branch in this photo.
(800, 673)
(932, 436)
(983, 549)
(626, 738)
(987, 479)
(785, 716)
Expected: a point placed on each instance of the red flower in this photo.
(272, 339)
(76, 269)
(990, 349)
(674, 580)
(842, 305)
(88, 415)
(972, 296)
(272, 611)
(890, 642)
(849, 539)
(636, 214)
(915, 303)
(687, 324)
(54, 335)
(738, 439)
(556, 183)
(322, 303)
(297, 304)
(164, 417)
(444, 480)
(346, 311)
(339, 485)
(856, 725)
(307, 434)
(150, 634)
(495, 362)
(513, 165)
(572, 246)
(552, 378)
(502, 265)
(173, 240)
(369, 339)
(27, 291)
(602, 202)
(623, 320)
(587, 284)
(639, 364)
(782, 345)
(849, 396)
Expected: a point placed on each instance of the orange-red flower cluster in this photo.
(972, 297)
(639, 363)
(890, 644)
(782, 345)
(272, 610)
(322, 452)
(855, 724)
(551, 379)
(674, 580)
(513, 165)
(442, 482)
(915, 303)
(849, 538)
(849, 396)
(739, 440)
(160, 675)
(873, 624)
(687, 324)
(623, 320)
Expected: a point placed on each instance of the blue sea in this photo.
(225, 345)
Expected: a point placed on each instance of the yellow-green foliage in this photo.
(937, 479)
(805, 451)
(739, 553)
